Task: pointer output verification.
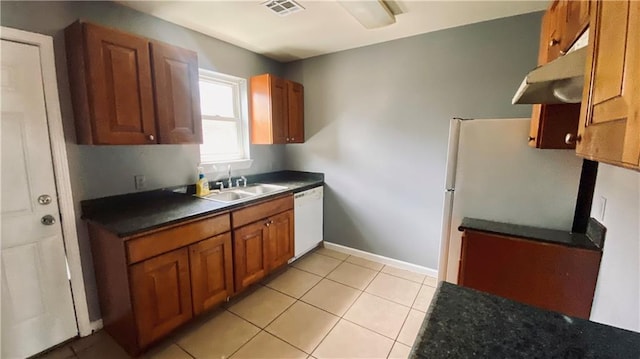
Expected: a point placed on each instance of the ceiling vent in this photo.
(283, 7)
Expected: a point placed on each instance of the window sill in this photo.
(221, 166)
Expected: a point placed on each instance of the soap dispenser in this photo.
(202, 186)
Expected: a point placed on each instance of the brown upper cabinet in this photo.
(128, 90)
(276, 110)
(609, 128)
(177, 95)
(562, 25)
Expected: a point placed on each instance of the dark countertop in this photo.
(130, 214)
(577, 240)
(465, 323)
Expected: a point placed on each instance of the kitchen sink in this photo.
(241, 193)
(261, 188)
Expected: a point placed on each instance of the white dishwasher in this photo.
(308, 220)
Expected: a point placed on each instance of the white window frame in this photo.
(241, 159)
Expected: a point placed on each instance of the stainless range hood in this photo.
(559, 81)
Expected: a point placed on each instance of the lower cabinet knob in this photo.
(151, 137)
(531, 138)
(571, 139)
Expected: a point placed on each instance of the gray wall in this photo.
(98, 171)
(377, 122)
(617, 298)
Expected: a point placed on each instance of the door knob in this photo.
(571, 139)
(44, 199)
(48, 220)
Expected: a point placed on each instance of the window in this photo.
(223, 102)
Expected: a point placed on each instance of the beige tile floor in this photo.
(325, 305)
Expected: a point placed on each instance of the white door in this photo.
(37, 307)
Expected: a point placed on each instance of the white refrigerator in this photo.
(492, 174)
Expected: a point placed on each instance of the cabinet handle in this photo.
(554, 42)
(531, 138)
(287, 139)
(562, 53)
(571, 139)
(151, 137)
(293, 139)
(267, 223)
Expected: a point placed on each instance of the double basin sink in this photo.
(241, 193)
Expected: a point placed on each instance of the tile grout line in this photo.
(184, 350)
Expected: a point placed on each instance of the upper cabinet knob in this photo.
(554, 42)
(151, 137)
(531, 138)
(571, 139)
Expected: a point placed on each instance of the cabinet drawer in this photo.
(141, 248)
(260, 211)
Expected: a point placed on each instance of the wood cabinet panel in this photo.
(177, 94)
(114, 293)
(548, 276)
(276, 110)
(281, 239)
(162, 295)
(279, 109)
(211, 264)
(261, 211)
(610, 120)
(576, 20)
(151, 244)
(110, 76)
(295, 103)
(250, 248)
(555, 23)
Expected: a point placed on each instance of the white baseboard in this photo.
(96, 325)
(382, 259)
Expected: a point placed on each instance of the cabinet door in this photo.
(177, 94)
(161, 294)
(610, 117)
(280, 239)
(279, 110)
(250, 254)
(295, 99)
(577, 19)
(211, 272)
(556, 15)
(119, 84)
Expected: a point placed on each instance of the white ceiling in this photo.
(325, 26)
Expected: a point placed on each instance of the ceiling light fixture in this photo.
(371, 14)
(283, 7)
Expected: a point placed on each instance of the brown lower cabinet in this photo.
(548, 276)
(151, 283)
(265, 243)
(161, 294)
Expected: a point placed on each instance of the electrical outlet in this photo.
(603, 207)
(140, 181)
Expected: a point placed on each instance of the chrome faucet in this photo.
(229, 173)
(242, 179)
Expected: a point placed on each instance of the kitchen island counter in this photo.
(465, 323)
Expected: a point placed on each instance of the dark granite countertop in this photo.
(130, 214)
(593, 241)
(465, 323)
